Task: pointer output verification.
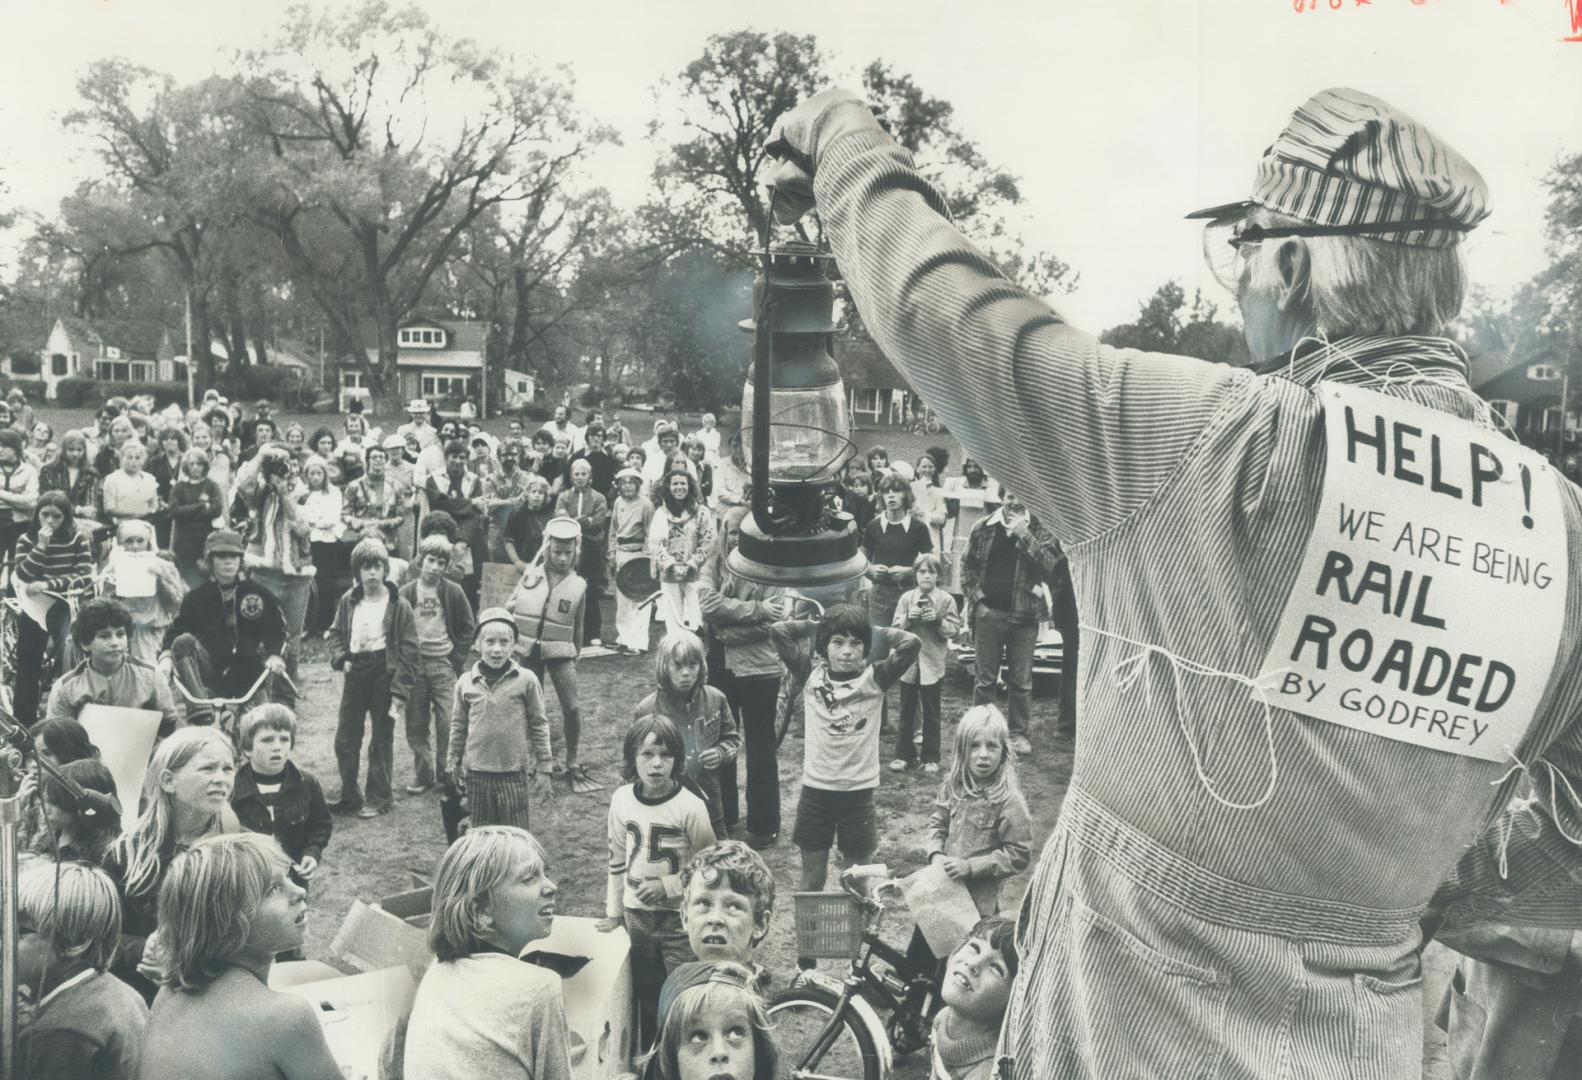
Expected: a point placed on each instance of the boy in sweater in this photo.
(445, 629)
(975, 991)
(374, 641)
(499, 747)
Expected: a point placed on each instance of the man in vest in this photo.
(548, 607)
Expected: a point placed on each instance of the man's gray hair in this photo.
(1360, 285)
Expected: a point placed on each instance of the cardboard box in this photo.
(600, 1009)
(391, 933)
(358, 1011)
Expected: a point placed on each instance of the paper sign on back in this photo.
(1430, 600)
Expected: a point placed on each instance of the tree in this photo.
(169, 183)
(711, 179)
(385, 141)
(1160, 327)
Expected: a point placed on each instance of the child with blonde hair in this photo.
(980, 829)
(85, 1022)
(186, 797)
(700, 712)
(479, 1011)
(227, 908)
(716, 1029)
(130, 492)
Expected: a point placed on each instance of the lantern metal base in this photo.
(829, 562)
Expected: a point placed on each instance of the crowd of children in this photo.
(202, 885)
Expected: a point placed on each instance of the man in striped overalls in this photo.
(1247, 860)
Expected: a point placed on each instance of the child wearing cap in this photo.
(229, 630)
(548, 607)
(499, 740)
(630, 515)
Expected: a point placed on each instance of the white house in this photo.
(131, 353)
(438, 360)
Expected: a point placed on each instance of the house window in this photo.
(445, 386)
(422, 338)
(144, 370)
(57, 365)
(1544, 373)
(865, 400)
(112, 370)
(351, 380)
(1505, 410)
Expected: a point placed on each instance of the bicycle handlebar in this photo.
(177, 683)
(868, 883)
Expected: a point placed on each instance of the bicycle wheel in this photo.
(799, 1016)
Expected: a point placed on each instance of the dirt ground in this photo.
(374, 858)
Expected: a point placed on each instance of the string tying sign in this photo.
(1430, 600)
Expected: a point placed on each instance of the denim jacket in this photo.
(995, 837)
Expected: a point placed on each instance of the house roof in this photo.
(79, 330)
(462, 336)
(134, 336)
(863, 366)
(1512, 383)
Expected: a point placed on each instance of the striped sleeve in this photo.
(58, 567)
(1086, 434)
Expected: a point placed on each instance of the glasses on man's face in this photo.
(1225, 240)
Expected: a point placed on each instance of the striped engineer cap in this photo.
(1349, 159)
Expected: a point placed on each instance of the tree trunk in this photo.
(258, 341)
(521, 331)
(202, 335)
(238, 342)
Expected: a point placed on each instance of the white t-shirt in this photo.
(368, 622)
(840, 749)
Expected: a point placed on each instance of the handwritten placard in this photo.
(1430, 600)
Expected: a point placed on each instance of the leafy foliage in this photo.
(1161, 327)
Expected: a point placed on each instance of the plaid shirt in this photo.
(1184, 493)
(1038, 558)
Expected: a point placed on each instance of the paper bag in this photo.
(942, 906)
(125, 738)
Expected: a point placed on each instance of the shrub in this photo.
(34, 389)
(248, 382)
(78, 392)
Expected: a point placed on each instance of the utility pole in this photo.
(192, 400)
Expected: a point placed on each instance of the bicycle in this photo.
(832, 1030)
(926, 422)
(225, 710)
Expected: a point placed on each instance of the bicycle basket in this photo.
(828, 925)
